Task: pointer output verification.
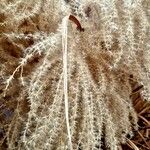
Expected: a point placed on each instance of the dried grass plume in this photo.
(71, 85)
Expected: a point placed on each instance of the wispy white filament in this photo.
(64, 47)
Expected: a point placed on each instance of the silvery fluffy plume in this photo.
(79, 91)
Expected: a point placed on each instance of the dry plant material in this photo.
(63, 90)
(75, 20)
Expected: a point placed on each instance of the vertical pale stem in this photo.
(65, 70)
